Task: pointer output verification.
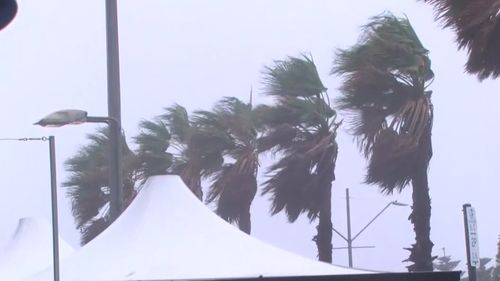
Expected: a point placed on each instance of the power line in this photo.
(25, 139)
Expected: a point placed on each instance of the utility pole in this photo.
(349, 239)
(114, 109)
(53, 197)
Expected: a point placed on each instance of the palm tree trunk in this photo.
(326, 171)
(324, 228)
(245, 223)
(421, 251)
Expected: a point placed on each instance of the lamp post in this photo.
(55, 220)
(114, 106)
(75, 116)
(53, 198)
(349, 239)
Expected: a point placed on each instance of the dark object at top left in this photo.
(8, 10)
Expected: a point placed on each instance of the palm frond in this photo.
(93, 229)
(293, 77)
(177, 120)
(388, 46)
(477, 28)
(279, 138)
(297, 179)
(88, 181)
(153, 142)
(233, 190)
(231, 116)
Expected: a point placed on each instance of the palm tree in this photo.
(88, 181)
(198, 152)
(301, 131)
(234, 186)
(88, 184)
(477, 27)
(385, 79)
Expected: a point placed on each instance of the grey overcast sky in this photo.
(195, 52)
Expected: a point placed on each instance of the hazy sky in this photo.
(195, 52)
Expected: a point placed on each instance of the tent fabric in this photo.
(167, 233)
(29, 249)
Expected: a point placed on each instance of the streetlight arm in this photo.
(372, 220)
(99, 119)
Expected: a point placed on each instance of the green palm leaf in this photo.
(293, 77)
(477, 27)
(87, 184)
(153, 143)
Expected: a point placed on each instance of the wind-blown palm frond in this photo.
(198, 151)
(385, 77)
(234, 191)
(296, 183)
(177, 119)
(293, 77)
(301, 129)
(87, 185)
(477, 27)
(93, 229)
(153, 143)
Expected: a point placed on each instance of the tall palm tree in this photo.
(385, 79)
(88, 184)
(301, 131)
(198, 152)
(477, 27)
(234, 186)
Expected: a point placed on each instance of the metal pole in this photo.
(55, 221)
(349, 239)
(471, 269)
(372, 220)
(114, 111)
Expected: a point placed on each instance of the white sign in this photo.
(473, 236)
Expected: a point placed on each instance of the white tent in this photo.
(29, 250)
(166, 233)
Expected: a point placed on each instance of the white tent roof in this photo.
(166, 233)
(29, 250)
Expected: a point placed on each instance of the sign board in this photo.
(473, 239)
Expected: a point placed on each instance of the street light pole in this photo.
(349, 239)
(53, 197)
(55, 220)
(114, 108)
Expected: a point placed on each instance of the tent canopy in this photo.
(29, 250)
(167, 233)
